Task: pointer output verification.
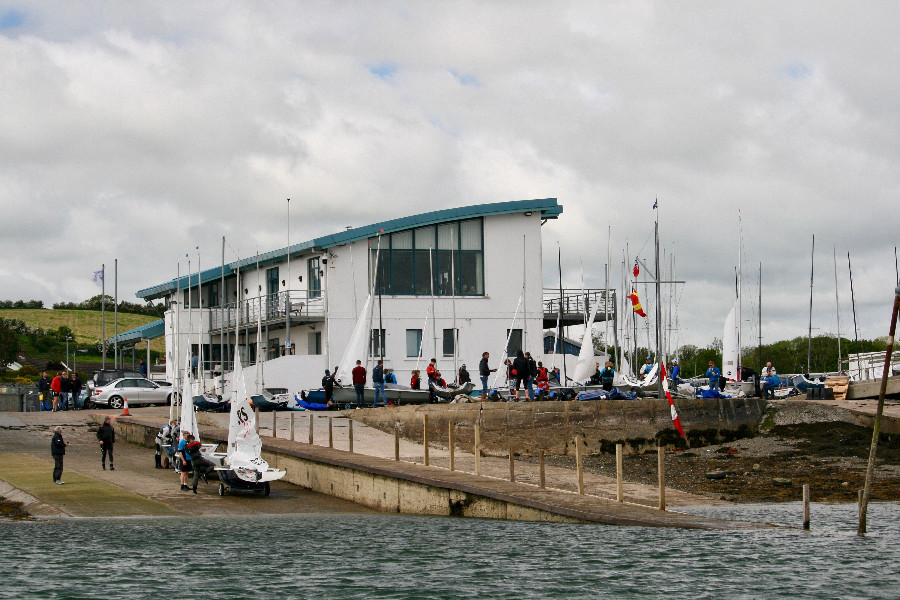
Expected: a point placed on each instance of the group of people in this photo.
(106, 436)
(56, 393)
(186, 447)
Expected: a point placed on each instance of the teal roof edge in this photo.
(548, 207)
(148, 331)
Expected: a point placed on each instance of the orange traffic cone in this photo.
(125, 412)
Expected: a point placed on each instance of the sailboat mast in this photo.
(853, 304)
(524, 301)
(560, 347)
(812, 266)
(837, 304)
(737, 372)
(221, 300)
(759, 316)
(659, 379)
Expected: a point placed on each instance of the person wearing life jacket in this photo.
(163, 440)
(543, 377)
(415, 382)
(607, 375)
(201, 466)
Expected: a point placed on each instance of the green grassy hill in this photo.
(85, 324)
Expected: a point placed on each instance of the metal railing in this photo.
(270, 308)
(578, 301)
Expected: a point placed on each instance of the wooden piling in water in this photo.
(425, 438)
(661, 468)
(620, 464)
(806, 506)
(578, 464)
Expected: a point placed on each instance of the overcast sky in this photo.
(139, 130)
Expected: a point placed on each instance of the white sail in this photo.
(587, 362)
(188, 416)
(356, 348)
(730, 350)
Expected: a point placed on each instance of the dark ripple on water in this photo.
(398, 557)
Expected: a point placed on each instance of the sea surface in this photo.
(394, 556)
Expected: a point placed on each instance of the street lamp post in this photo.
(68, 339)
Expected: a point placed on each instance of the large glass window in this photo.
(312, 276)
(450, 342)
(413, 342)
(376, 346)
(447, 259)
(515, 342)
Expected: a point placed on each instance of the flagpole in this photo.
(116, 313)
(103, 313)
(659, 378)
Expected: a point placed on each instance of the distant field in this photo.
(85, 324)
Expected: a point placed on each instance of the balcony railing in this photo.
(271, 308)
(577, 305)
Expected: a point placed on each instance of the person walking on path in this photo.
(378, 383)
(107, 436)
(359, 382)
(44, 391)
(58, 450)
(484, 371)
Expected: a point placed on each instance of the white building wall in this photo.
(512, 255)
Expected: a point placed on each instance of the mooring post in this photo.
(451, 441)
(512, 465)
(543, 472)
(477, 448)
(292, 425)
(350, 433)
(397, 441)
(330, 433)
(578, 464)
(274, 423)
(310, 428)
(806, 506)
(425, 437)
(256, 416)
(620, 463)
(661, 467)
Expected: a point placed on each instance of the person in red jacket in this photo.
(56, 386)
(359, 382)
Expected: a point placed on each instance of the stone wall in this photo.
(529, 427)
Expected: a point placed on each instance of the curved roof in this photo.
(548, 207)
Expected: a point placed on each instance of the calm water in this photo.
(389, 556)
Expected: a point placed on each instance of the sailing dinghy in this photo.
(244, 469)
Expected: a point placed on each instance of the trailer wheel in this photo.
(266, 489)
(221, 489)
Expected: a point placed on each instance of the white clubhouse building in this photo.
(473, 270)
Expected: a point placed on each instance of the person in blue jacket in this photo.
(714, 374)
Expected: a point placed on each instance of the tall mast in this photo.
(812, 263)
(560, 346)
(287, 286)
(853, 304)
(837, 304)
(759, 308)
(222, 326)
(659, 379)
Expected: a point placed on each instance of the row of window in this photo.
(449, 342)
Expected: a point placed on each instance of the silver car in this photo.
(137, 391)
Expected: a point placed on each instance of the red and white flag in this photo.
(665, 380)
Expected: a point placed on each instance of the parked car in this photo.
(106, 376)
(136, 389)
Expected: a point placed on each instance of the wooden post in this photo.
(330, 433)
(292, 425)
(661, 466)
(425, 438)
(860, 495)
(512, 465)
(578, 464)
(274, 423)
(256, 416)
(350, 433)
(806, 506)
(451, 440)
(396, 442)
(310, 429)
(543, 472)
(477, 449)
(620, 490)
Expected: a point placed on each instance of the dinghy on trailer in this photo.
(244, 468)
